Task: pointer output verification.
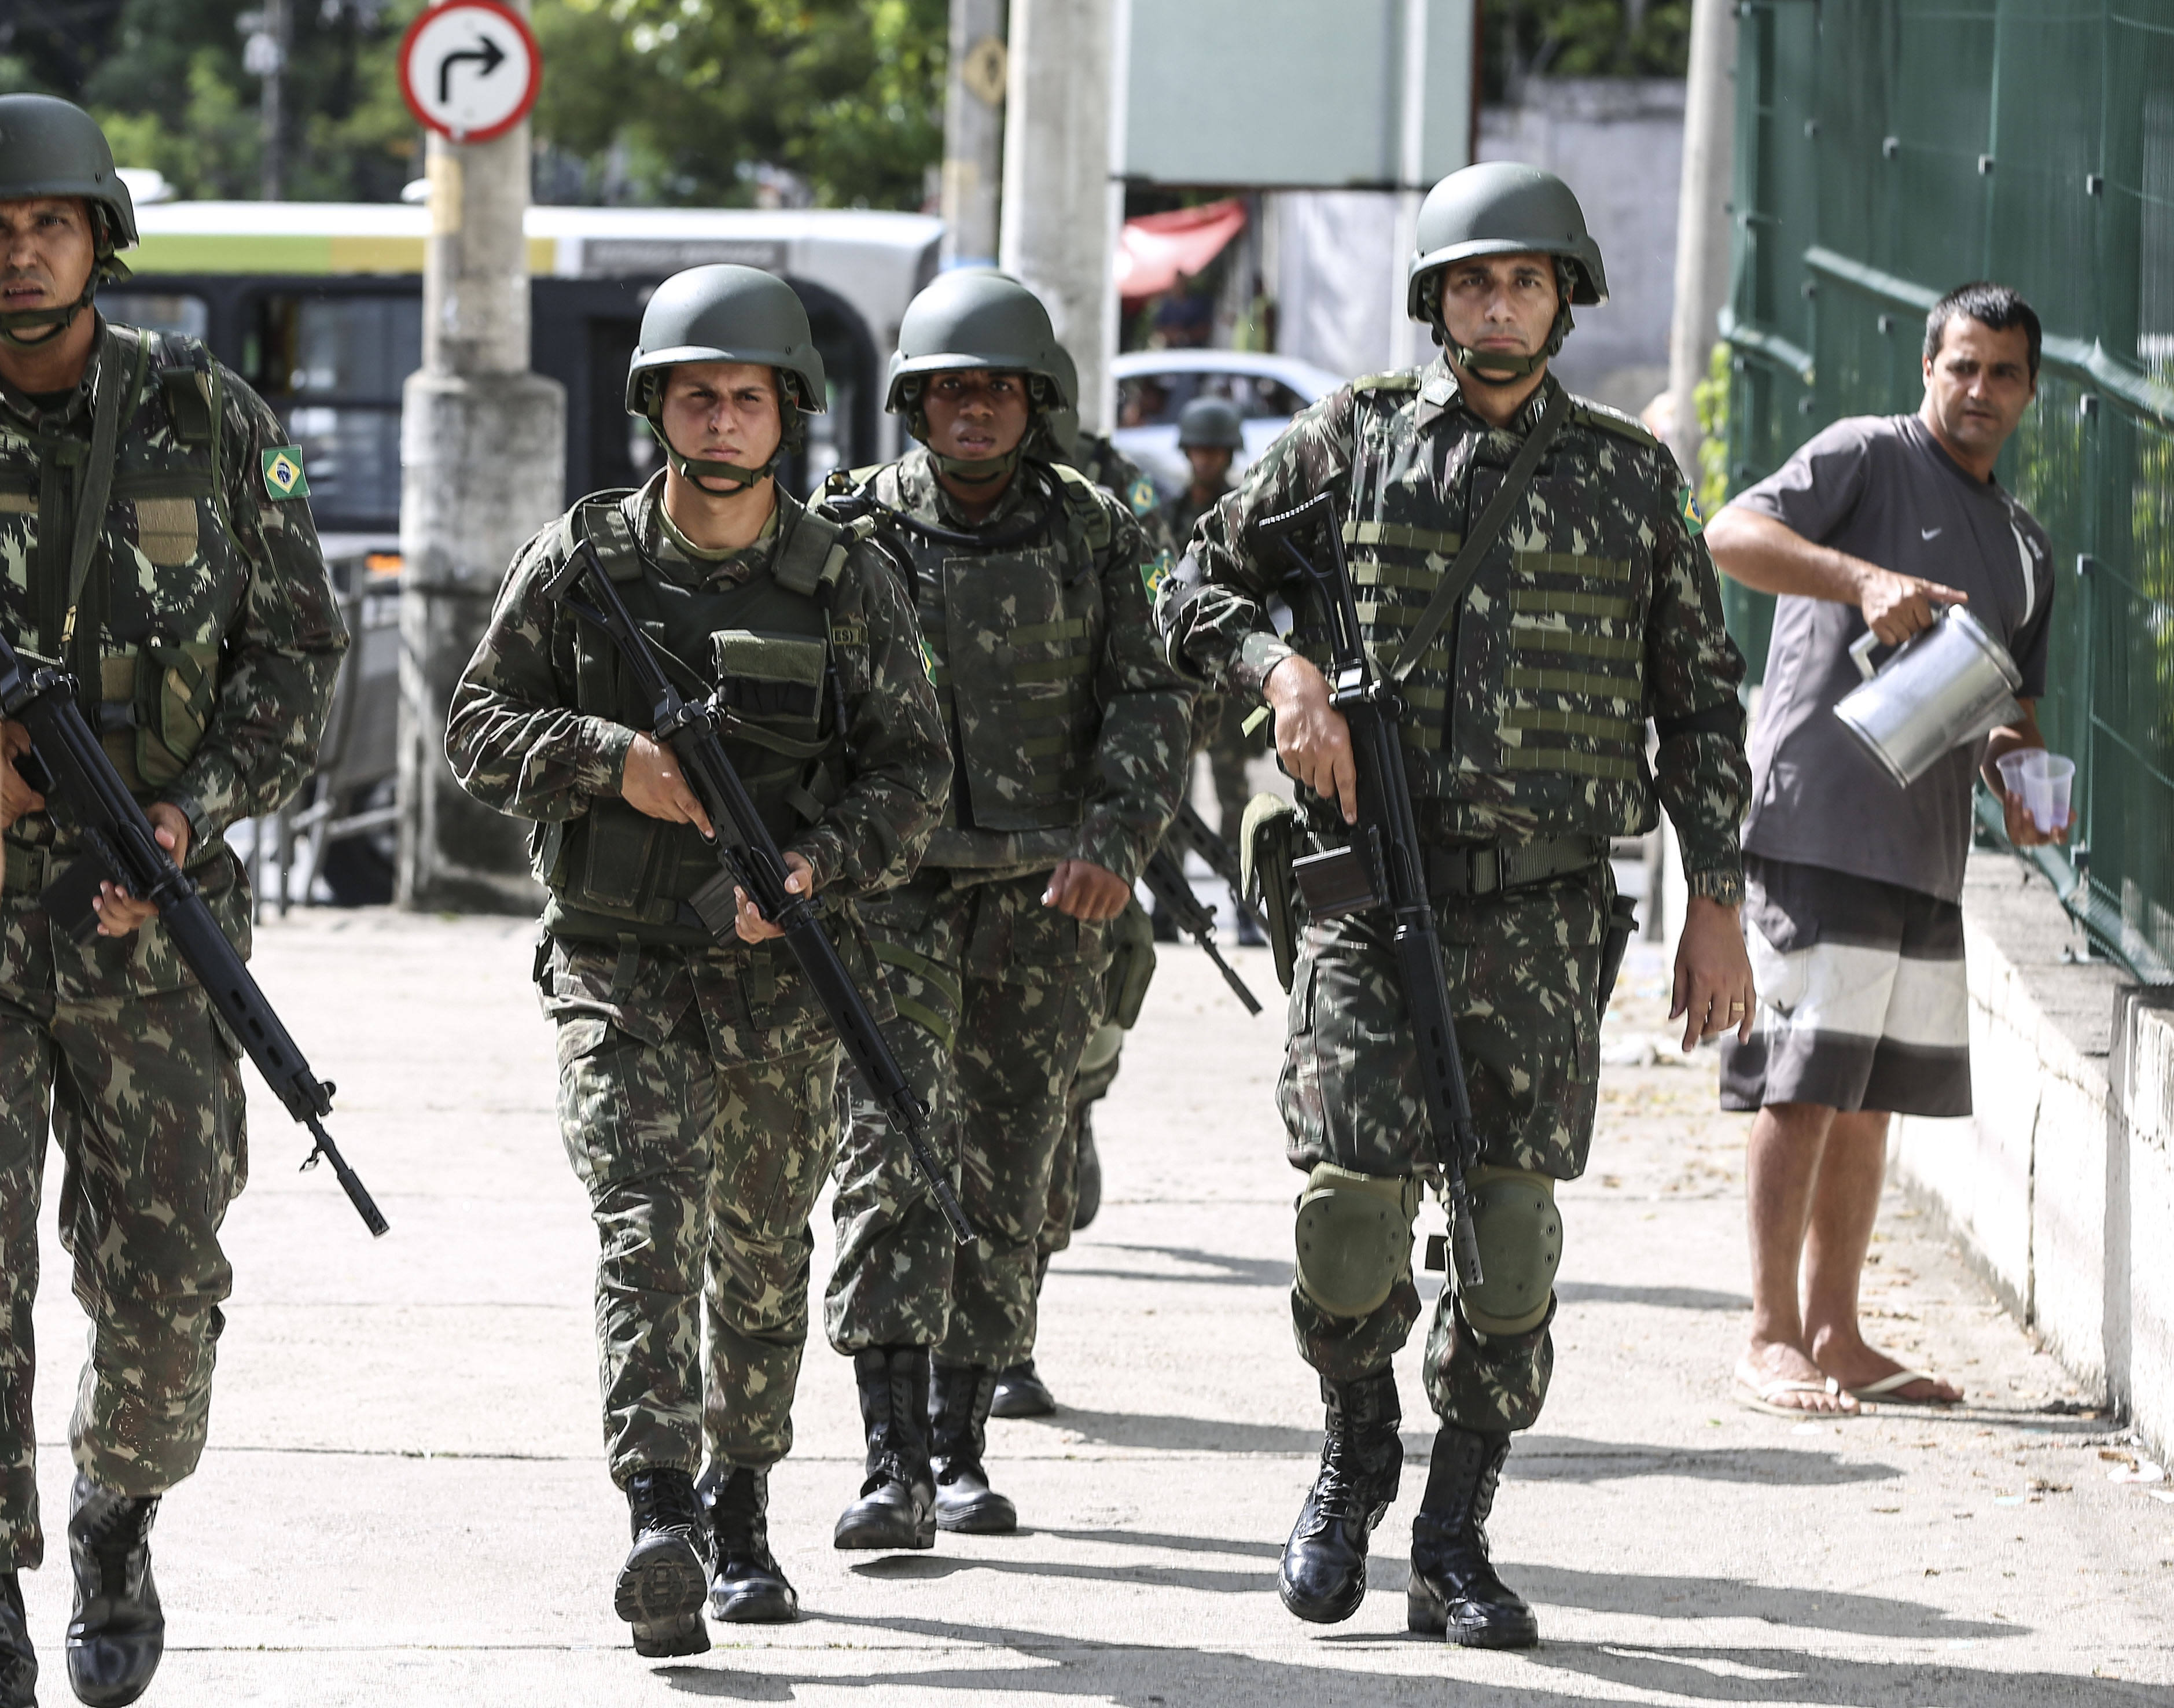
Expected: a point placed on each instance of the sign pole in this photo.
(483, 440)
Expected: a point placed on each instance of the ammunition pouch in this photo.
(155, 703)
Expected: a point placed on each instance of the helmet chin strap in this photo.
(15, 322)
(975, 471)
(1499, 367)
(701, 469)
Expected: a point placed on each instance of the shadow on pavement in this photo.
(1566, 1459)
(1768, 1675)
(1173, 1435)
(1730, 1599)
(1175, 1544)
(1227, 1271)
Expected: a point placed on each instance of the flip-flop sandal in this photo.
(1762, 1399)
(1882, 1393)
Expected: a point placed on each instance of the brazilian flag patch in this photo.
(1153, 572)
(283, 473)
(1694, 517)
(928, 658)
(1142, 497)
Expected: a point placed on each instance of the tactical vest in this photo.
(1014, 636)
(168, 574)
(762, 648)
(1538, 680)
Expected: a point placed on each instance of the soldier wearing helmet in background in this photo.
(696, 1078)
(156, 541)
(1069, 731)
(1592, 610)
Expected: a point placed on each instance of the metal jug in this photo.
(1945, 688)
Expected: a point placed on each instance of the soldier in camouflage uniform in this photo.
(1593, 610)
(156, 535)
(1210, 433)
(1033, 588)
(1075, 1173)
(696, 1068)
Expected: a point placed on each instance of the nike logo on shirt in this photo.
(1930, 533)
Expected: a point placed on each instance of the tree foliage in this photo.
(1582, 38)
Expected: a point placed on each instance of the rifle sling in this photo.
(89, 519)
(1484, 533)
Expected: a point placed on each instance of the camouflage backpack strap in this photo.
(813, 555)
(1084, 503)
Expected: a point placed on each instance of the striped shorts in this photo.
(1862, 999)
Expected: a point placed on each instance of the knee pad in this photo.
(1355, 1238)
(1520, 1232)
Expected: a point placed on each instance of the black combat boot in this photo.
(1323, 1576)
(1021, 1392)
(661, 1585)
(1454, 1590)
(746, 1586)
(958, 1426)
(19, 1660)
(118, 1633)
(897, 1505)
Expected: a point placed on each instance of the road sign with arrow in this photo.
(470, 69)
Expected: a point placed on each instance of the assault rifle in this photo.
(749, 859)
(1172, 890)
(1188, 834)
(1384, 865)
(84, 793)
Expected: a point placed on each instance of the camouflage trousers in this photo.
(996, 996)
(1522, 970)
(1124, 988)
(142, 1093)
(1230, 749)
(703, 1151)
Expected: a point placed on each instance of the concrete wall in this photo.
(1618, 142)
(2061, 1186)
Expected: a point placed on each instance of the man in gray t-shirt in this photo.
(1851, 913)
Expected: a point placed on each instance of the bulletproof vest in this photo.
(761, 648)
(1014, 635)
(1536, 687)
(167, 574)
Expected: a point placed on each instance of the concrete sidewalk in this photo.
(404, 1499)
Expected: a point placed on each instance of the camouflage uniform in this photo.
(1001, 991)
(1597, 608)
(696, 1079)
(1221, 724)
(208, 638)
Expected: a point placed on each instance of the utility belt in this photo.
(1484, 868)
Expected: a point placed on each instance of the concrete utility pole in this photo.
(1062, 208)
(1702, 222)
(974, 132)
(482, 452)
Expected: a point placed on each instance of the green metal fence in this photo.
(1889, 150)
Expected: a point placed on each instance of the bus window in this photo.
(157, 312)
(332, 366)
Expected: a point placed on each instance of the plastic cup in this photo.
(2048, 781)
(2011, 766)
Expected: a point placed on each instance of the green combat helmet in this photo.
(1500, 208)
(727, 314)
(1211, 424)
(52, 148)
(977, 317)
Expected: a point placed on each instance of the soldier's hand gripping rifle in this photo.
(84, 793)
(1384, 865)
(1172, 889)
(749, 857)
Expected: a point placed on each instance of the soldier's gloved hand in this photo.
(17, 797)
(652, 784)
(1896, 607)
(1312, 739)
(1714, 992)
(1084, 890)
(752, 927)
(119, 912)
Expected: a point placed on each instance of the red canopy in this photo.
(1156, 248)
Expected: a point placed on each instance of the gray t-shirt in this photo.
(1880, 488)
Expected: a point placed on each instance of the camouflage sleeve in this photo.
(1145, 751)
(513, 736)
(281, 656)
(1214, 611)
(1693, 670)
(874, 836)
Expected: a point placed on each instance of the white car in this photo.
(1153, 386)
